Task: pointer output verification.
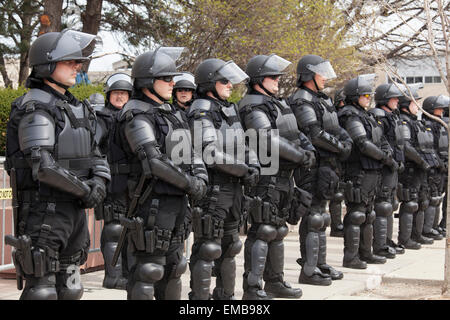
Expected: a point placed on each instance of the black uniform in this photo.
(317, 118)
(413, 186)
(216, 230)
(272, 197)
(362, 177)
(58, 170)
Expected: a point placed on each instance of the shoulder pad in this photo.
(36, 129)
(199, 105)
(251, 100)
(165, 107)
(347, 110)
(229, 111)
(302, 94)
(38, 95)
(134, 106)
(377, 112)
(138, 132)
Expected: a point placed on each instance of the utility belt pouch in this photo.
(136, 231)
(39, 260)
(300, 204)
(99, 212)
(150, 241)
(357, 195)
(255, 210)
(348, 192)
(197, 221)
(207, 226)
(154, 207)
(266, 212)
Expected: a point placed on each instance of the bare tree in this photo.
(51, 18)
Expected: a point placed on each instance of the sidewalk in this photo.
(415, 266)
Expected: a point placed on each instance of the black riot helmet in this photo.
(262, 66)
(339, 96)
(436, 102)
(155, 64)
(386, 91)
(52, 47)
(356, 87)
(119, 81)
(184, 81)
(212, 70)
(405, 99)
(312, 64)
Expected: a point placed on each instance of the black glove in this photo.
(97, 193)
(345, 151)
(390, 162)
(426, 166)
(197, 188)
(309, 160)
(251, 177)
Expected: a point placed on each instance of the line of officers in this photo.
(121, 158)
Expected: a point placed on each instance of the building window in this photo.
(428, 79)
(437, 79)
(409, 79)
(418, 79)
(395, 80)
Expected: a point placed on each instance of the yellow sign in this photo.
(5, 193)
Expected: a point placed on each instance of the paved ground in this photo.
(413, 275)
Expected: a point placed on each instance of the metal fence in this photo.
(6, 215)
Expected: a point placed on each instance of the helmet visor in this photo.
(276, 64)
(231, 72)
(185, 76)
(442, 101)
(118, 77)
(365, 83)
(325, 69)
(173, 52)
(70, 45)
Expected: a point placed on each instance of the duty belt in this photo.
(124, 168)
(217, 178)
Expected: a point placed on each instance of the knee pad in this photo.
(326, 219)
(338, 197)
(149, 272)
(315, 222)
(357, 217)
(233, 249)
(282, 232)
(210, 251)
(435, 201)
(424, 204)
(111, 232)
(266, 233)
(410, 206)
(383, 209)
(179, 268)
(370, 217)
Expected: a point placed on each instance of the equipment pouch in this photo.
(149, 241)
(256, 210)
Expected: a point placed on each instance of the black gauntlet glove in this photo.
(345, 151)
(197, 188)
(310, 159)
(97, 193)
(251, 177)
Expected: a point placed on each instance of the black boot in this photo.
(318, 278)
(355, 263)
(411, 244)
(387, 252)
(282, 289)
(399, 249)
(373, 259)
(332, 272)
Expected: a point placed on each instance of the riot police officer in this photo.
(56, 169)
(438, 180)
(219, 136)
(162, 171)
(118, 89)
(387, 113)
(362, 173)
(261, 110)
(317, 118)
(183, 91)
(335, 204)
(413, 187)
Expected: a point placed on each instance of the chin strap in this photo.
(152, 91)
(59, 84)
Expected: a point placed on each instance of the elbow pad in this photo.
(59, 178)
(326, 141)
(369, 149)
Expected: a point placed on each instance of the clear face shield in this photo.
(173, 53)
(365, 83)
(75, 45)
(185, 76)
(118, 77)
(231, 72)
(325, 69)
(276, 63)
(414, 88)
